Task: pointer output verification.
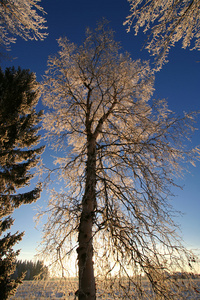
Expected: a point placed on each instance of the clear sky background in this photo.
(178, 82)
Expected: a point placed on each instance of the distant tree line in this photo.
(185, 275)
(177, 275)
(32, 270)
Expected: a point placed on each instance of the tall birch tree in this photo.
(167, 22)
(120, 154)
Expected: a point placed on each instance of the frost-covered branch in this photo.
(168, 22)
(21, 18)
(121, 154)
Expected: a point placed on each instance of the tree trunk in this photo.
(87, 289)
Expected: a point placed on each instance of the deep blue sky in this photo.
(178, 82)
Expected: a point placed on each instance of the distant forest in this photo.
(32, 270)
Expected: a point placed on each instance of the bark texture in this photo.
(87, 288)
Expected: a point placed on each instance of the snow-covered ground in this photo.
(65, 289)
(48, 289)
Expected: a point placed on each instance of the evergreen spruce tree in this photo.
(19, 153)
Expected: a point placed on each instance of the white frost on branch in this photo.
(21, 18)
(167, 22)
(100, 99)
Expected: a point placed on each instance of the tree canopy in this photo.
(167, 22)
(122, 153)
(21, 18)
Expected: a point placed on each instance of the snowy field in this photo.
(49, 289)
(65, 289)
